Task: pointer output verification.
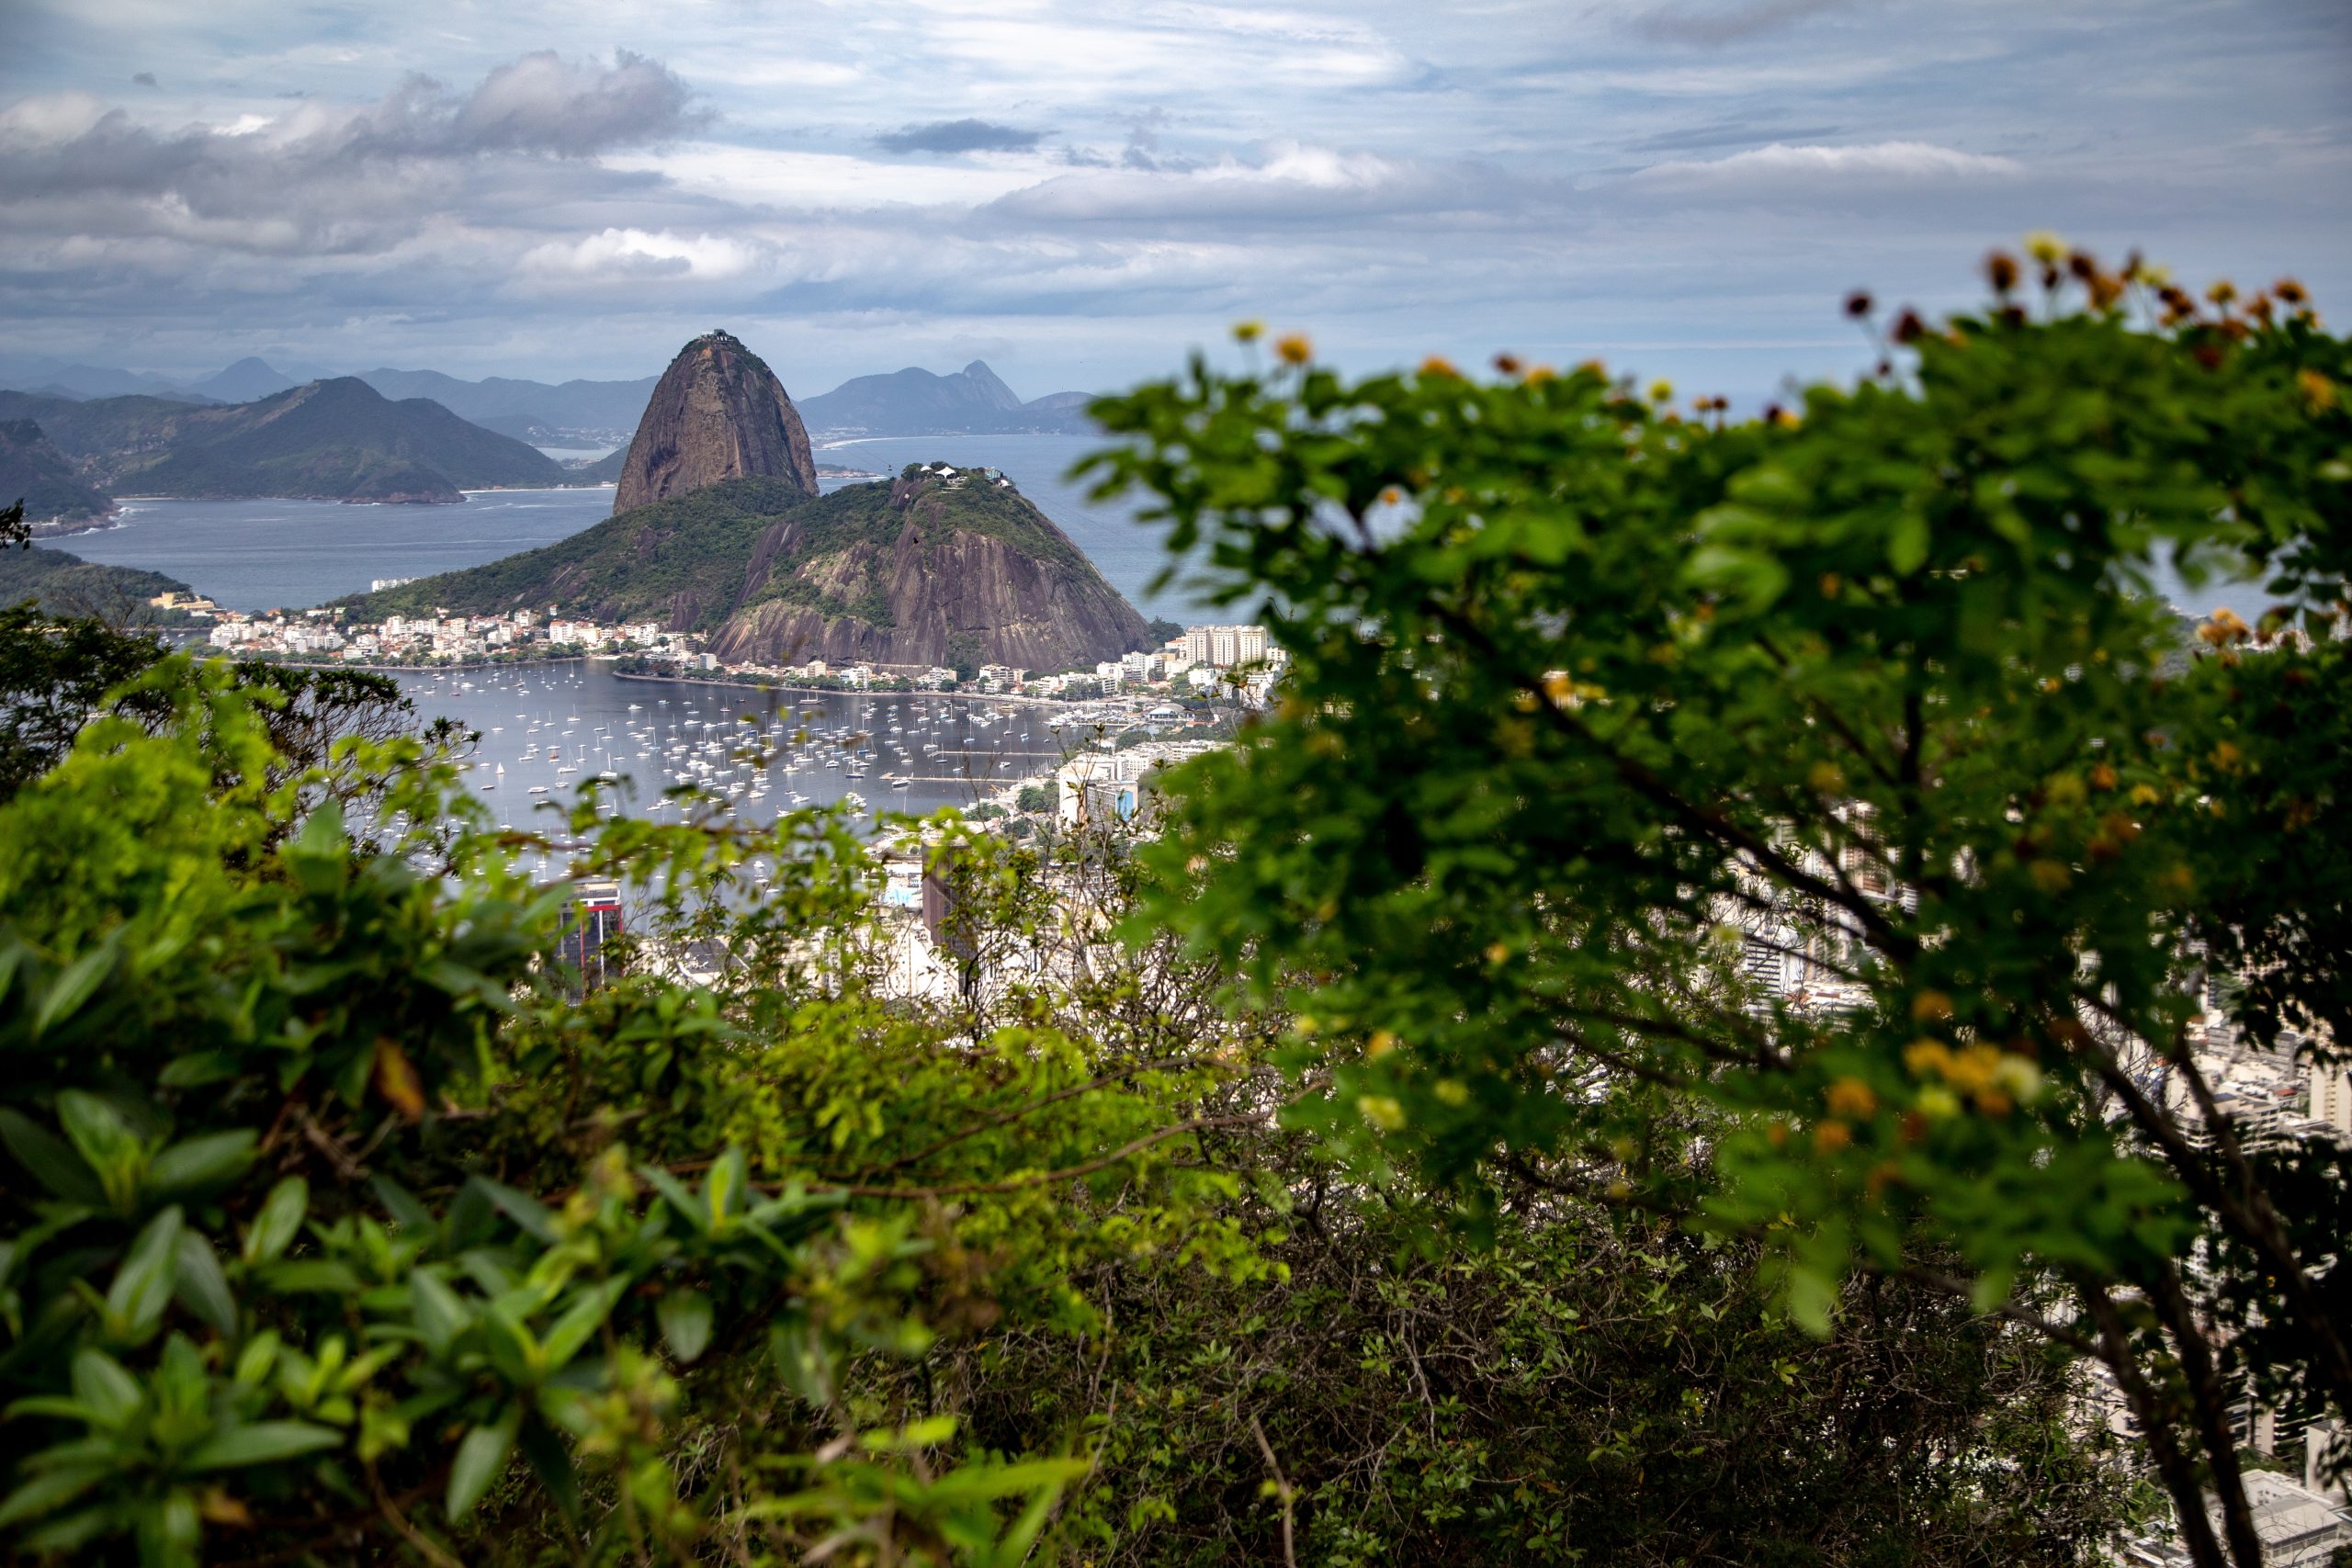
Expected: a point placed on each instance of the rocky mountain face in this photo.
(930, 569)
(717, 414)
(926, 570)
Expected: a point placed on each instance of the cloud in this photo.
(1287, 182)
(540, 103)
(143, 79)
(959, 136)
(618, 253)
(1782, 163)
(1718, 22)
(324, 178)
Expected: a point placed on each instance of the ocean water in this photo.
(262, 555)
(552, 727)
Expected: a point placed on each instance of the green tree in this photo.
(1602, 708)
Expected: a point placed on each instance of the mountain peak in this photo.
(717, 414)
(248, 378)
(990, 387)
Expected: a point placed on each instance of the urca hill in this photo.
(932, 567)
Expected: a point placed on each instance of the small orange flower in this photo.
(1438, 365)
(1851, 1097)
(1832, 1136)
(1931, 1007)
(1294, 348)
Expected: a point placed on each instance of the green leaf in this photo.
(201, 1285)
(401, 1204)
(309, 1274)
(51, 1161)
(552, 1462)
(143, 1286)
(281, 1215)
(319, 855)
(262, 1442)
(213, 1160)
(1907, 543)
(685, 1320)
(482, 1460)
(578, 1323)
(101, 1383)
(534, 1217)
(441, 1315)
(73, 987)
(43, 1493)
(102, 1138)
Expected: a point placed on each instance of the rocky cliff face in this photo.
(941, 571)
(717, 414)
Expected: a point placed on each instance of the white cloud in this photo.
(1876, 161)
(636, 254)
(1285, 182)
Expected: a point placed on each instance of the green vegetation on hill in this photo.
(690, 550)
(105, 428)
(65, 585)
(688, 561)
(34, 471)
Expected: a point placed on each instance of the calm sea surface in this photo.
(548, 729)
(260, 555)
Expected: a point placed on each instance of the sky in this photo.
(1083, 191)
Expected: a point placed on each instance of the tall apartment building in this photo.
(1224, 647)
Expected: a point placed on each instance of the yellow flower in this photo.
(1826, 777)
(1937, 1102)
(1851, 1097)
(1453, 1091)
(2019, 1076)
(1295, 349)
(1382, 1111)
(1497, 953)
(1379, 1045)
(1925, 1056)
(1832, 1136)
(1931, 1007)
(1438, 365)
(1661, 391)
(1248, 332)
(2318, 390)
(2045, 247)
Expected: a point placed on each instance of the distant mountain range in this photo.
(334, 440)
(917, 402)
(912, 401)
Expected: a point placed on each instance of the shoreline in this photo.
(839, 692)
(410, 669)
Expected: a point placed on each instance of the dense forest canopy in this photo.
(1393, 1160)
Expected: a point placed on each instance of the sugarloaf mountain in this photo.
(718, 529)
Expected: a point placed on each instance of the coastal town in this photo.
(1236, 664)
